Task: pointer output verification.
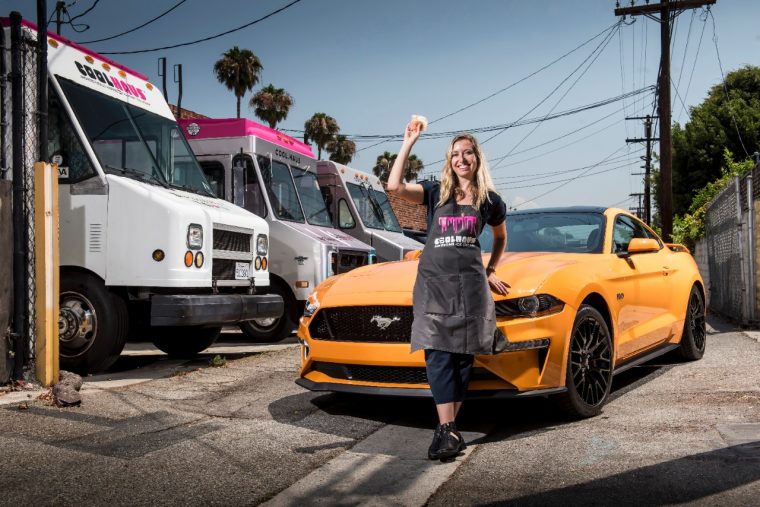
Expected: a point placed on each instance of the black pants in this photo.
(448, 375)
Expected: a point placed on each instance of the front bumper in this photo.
(212, 309)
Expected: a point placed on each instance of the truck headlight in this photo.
(194, 237)
(262, 244)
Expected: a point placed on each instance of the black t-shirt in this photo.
(493, 212)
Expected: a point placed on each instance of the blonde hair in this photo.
(482, 183)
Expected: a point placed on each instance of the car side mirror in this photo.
(413, 255)
(642, 245)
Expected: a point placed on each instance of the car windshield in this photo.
(570, 232)
(282, 192)
(373, 207)
(134, 142)
(311, 197)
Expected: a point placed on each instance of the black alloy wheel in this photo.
(694, 338)
(589, 365)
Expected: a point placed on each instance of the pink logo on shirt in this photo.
(458, 224)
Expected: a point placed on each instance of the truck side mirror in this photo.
(238, 185)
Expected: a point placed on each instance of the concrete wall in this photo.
(6, 277)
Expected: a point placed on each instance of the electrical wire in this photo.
(584, 175)
(696, 56)
(85, 12)
(205, 38)
(725, 88)
(522, 178)
(137, 27)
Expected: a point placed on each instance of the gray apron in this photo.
(453, 306)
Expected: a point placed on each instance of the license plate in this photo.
(242, 270)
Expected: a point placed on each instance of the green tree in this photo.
(271, 105)
(238, 70)
(715, 125)
(384, 163)
(320, 128)
(341, 150)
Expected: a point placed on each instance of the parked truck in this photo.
(145, 245)
(275, 176)
(360, 207)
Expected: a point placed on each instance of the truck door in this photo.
(253, 196)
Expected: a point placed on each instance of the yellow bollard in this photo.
(46, 263)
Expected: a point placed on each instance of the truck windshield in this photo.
(311, 198)
(136, 142)
(373, 207)
(282, 193)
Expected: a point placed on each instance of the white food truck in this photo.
(274, 176)
(145, 246)
(360, 207)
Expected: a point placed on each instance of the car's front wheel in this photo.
(589, 365)
(694, 337)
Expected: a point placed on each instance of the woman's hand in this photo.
(498, 286)
(412, 132)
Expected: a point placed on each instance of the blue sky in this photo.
(372, 64)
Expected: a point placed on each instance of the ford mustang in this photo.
(594, 292)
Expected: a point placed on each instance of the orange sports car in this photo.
(594, 292)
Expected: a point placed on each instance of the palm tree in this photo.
(321, 129)
(341, 150)
(384, 163)
(271, 104)
(238, 70)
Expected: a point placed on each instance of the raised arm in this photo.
(412, 192)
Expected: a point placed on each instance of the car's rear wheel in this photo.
(589, 365)
(694, 337)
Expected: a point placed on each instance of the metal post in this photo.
(3, 117)
(42, 77)
(752, 292)
(178, 79)
(162, 73)
(19, 225)
(742, 265)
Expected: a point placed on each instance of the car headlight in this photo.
(194, 237)
(312, 305)
(529, 306)
(262, 244)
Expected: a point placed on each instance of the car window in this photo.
(346, 219)
(569, 232)
(626, 228)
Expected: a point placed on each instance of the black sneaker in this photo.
(445, 443)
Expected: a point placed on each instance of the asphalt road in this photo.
(162, 432)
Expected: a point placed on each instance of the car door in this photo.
(647, 321)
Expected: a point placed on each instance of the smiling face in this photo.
(464, 161)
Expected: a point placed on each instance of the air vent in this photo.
(96, 238)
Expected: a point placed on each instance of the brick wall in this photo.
(186, 113)
(410, 216)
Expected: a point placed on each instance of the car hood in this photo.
(525, 272)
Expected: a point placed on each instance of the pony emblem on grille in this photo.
(383, 322)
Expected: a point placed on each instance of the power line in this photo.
(725, 88)
(612, 26)
(85, 12)
(205, 38)
(696, 56)
(522, 178)
(584, 175)
(137, 27)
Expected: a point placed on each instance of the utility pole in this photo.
(647, 215)
(665, 7)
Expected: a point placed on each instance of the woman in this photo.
(453, 308)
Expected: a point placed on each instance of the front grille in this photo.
(223, 269)
(232, 241)
(344, 261)
(383, 324)
(387, 374)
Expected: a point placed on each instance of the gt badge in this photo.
(383, 322)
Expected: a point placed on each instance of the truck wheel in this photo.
(272, 329)
(184, 342)
(589, 366)
(92, 324)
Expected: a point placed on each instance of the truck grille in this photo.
(232, 241)
(223, 269)
(344, 261)
(387, 374)
(383, 324)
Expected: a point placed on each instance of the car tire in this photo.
(93, 324)
(184, 342)
(589, 365)
(694, 337)
(271, 330)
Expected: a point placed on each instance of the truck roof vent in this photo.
(96, 238)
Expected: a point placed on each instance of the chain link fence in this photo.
(23, 113)
(730, 241)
